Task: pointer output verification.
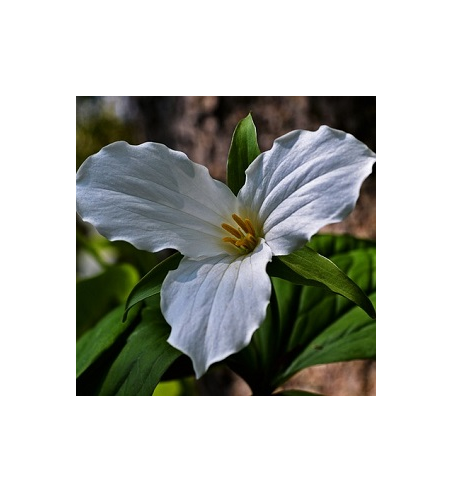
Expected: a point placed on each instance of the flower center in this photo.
(244, 235)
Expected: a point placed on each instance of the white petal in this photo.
(154, 198)
(305, 181)
(214, 306)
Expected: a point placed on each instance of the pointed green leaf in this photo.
(97, 340)
(244, 149)
(145, 357)
(307, 267)
(351, 337)
(151, 283)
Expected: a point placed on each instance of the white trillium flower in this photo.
(157, 198)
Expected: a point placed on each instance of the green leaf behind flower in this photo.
(350, 337)
(242, 152)
(97, 340)
(151, 283)
(307, 267)
(145, 357)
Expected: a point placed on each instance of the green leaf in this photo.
(145, 357)
(307, 267)
(151, 283)
(318, 326)
(244, 149)
(96, 341)
(352, 336)
(98, 295)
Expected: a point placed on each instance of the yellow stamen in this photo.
(239, 221)
(231, 230)
(244, 235)
(251, 239)
(230, 240)
(250, 227)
